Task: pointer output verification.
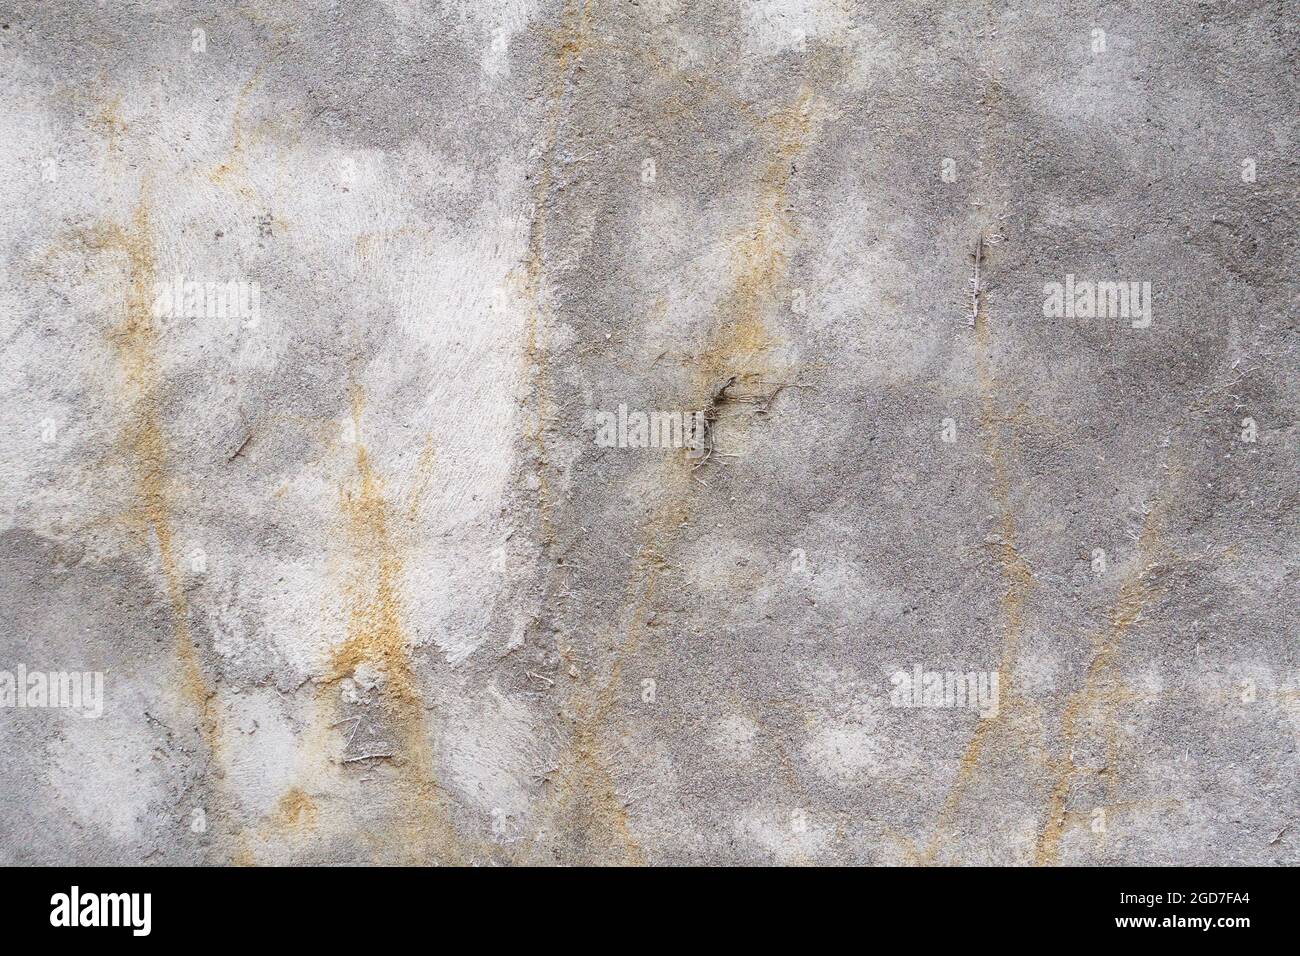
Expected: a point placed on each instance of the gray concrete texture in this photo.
(363, 585)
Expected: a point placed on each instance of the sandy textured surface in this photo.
(361, 582)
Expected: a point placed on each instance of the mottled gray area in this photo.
(364, 586)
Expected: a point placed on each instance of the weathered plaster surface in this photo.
(364, 588)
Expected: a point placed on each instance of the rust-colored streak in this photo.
(376, 636)
(141, 445)
(1017, 579)
(759, 261)
(374, 633)
(234, 167)
(584, 792)
(296, 810)
(109, 122)
(144, 446)
(422, 480)
(1100, 691)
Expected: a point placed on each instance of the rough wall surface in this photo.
(361, 578)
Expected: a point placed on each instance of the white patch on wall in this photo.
(490, 25)
(790, 834)
(1150, 681)
(491, 753)
(844, 584)
(103, 771)
(292, 616)
(721, 565)
(777, 25)
(861, 283)
(260, 749)
(507, 18)
(876, 58)
(1034, 673)
(847, 748)
(444, 374)
(733, 738)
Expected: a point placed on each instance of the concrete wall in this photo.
(365, 582)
